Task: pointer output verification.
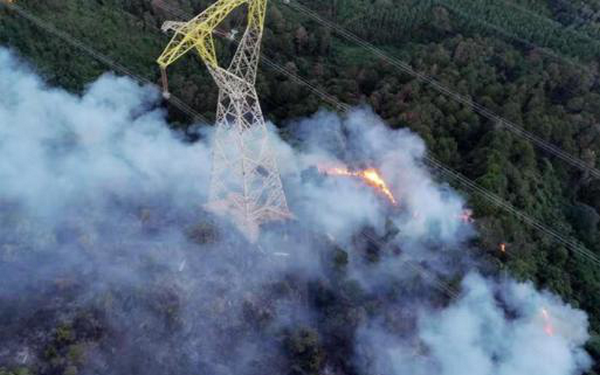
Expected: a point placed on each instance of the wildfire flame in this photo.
(370, 176)
(548, 327)
(503, 247)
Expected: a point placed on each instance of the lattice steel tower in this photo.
(245, 182)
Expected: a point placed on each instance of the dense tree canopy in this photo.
(534, 62)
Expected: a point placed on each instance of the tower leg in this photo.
(245, 181)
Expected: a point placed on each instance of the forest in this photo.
(533, 62)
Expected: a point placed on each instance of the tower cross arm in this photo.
(197, 33)
(245, 183)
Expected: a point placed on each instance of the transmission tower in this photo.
(245, 183)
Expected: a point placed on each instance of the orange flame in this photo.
(548, 328)
(503, 247)
(370, 176)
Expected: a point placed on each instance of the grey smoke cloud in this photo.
(58, 148)
(361, 139)
(505, 328)
(97, 187)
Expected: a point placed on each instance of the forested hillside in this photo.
(534, 62)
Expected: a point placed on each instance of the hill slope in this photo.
(486, 52)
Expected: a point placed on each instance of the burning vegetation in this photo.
(369, 176)
(145, 282)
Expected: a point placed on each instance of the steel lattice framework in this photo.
(245, 182)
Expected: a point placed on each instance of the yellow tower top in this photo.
(198, 32)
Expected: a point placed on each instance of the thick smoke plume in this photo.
(494, 328)
(102, 231)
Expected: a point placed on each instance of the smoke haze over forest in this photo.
(103, 239)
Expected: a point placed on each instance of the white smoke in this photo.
(363, 139)
(504, 328)
(60, 149)
(111, 147)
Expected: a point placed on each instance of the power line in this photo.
(523, 217)
(429, 159)
(46, 26)
(424, 272)
(478, 108)
(445, 288)
(463, 180)
(269, 62)
(180, 104)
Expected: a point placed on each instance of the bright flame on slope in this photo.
(548, 327)
(370, 176)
